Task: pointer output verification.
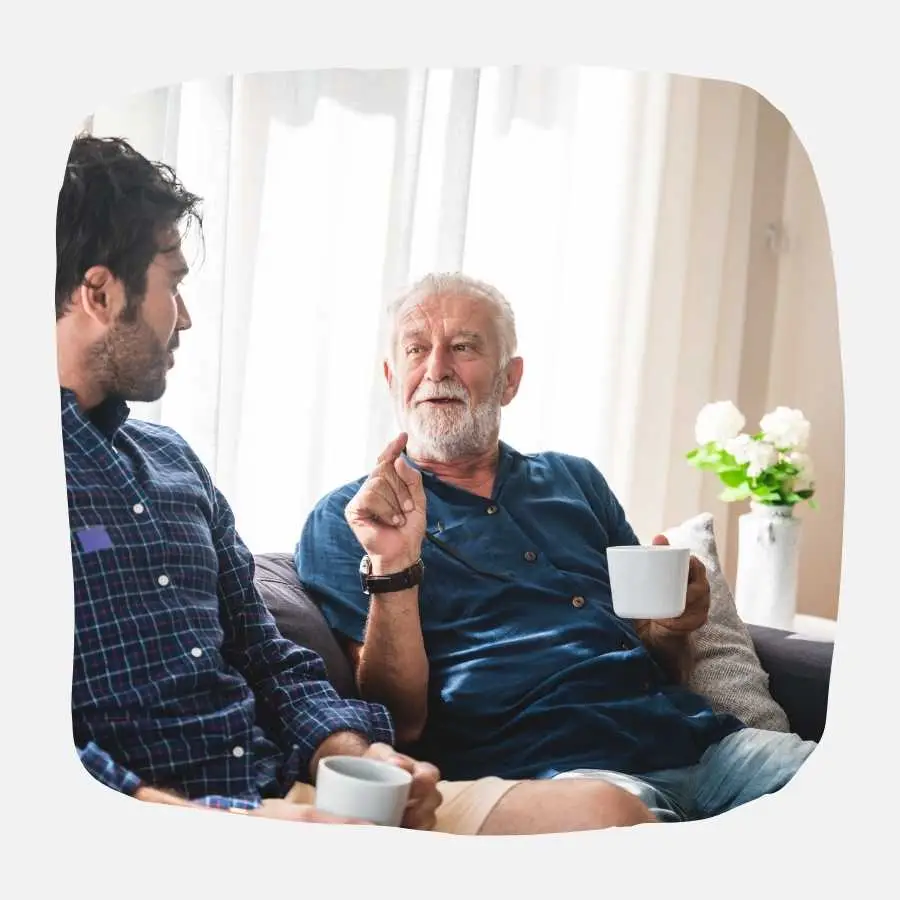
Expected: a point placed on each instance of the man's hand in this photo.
(149, 794)
(696, 609)
(669, 640)
(270, 809)
(424, 796)
(298, 812)
(387, 515)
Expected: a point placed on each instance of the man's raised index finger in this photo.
(393, 449)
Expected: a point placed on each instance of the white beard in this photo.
(445, 433)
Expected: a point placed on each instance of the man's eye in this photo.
(462, 347)
(411, 350)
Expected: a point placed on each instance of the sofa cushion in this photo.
(728, 671)
(799, 676)
(299, 619)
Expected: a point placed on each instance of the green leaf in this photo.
(765, 494)
(733, 477)
(735, 494)
(700, 456)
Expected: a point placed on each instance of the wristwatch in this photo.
(389, 584)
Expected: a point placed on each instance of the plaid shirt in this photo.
(181, 678)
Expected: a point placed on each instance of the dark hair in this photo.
(114, 206)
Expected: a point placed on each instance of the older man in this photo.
(469, 582)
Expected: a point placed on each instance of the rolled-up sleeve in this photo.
(106, 770)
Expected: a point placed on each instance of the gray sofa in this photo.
(799, 670)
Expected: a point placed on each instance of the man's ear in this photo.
(388, 375)
(514, 369)
(101, 296)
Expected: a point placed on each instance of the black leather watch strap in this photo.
(392, 583)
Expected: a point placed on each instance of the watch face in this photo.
(365, 566)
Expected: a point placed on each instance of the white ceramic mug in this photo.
(362, 788)
(648, 582)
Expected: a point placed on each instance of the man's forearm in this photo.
(672, 650)
(393, 667)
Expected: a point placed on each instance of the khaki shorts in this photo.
(464, 808)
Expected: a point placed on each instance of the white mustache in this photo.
(441, 391)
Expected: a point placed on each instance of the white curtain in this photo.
(606, 205)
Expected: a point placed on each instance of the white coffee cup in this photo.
(648, 582)
(362, 788)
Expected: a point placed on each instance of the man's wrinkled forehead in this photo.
(446, 316)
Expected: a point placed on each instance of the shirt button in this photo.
(137, 509)
(578, 602)
(163, 580)
(238, 752)
(491, 510)
(196, 653)
(623, 645)
(530, 555)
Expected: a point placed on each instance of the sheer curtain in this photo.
(577, 191)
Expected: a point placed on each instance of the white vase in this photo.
(768, 552)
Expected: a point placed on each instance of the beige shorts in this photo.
(465, 805)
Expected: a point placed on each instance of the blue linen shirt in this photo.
(181, 678)
(531, 671)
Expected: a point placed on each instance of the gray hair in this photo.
(442, 284)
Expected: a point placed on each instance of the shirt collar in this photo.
(107, 418)
(505, 458)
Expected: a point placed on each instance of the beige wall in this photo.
(806, 372)
(791, 350)
(743, 277)
(739, 304)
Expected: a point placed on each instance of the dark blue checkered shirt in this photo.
(181, 679)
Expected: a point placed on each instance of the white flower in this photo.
(785, 428)
(806, 476)
(718, 422)
(760, 455)
(739, 448)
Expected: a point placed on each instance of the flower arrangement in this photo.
(770, 467)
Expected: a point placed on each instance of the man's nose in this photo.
(183, 321)
(439, 365)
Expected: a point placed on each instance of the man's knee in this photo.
(555, 806)
(613, 807)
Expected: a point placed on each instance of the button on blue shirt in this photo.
(531, 671)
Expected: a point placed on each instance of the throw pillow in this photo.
(728, 671)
